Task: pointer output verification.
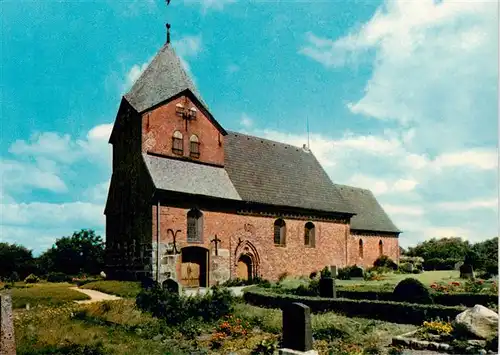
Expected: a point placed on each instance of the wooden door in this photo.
(190, 274)
(243, 269)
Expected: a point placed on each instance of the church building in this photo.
(192, 202)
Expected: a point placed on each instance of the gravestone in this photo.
(171, 286)
(335, 271)
(297, 330)
(327, 287)
(356, 273)
(458, 265)
(466, 272)
(7, 341)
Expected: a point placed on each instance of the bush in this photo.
(31, 279)
(396, 312)
(491, 268)
(344, 273)
(14, 277)
(58, 277)
(440, 264)
(356, 271)
(282, 276)
(176, 309)
(313, 275)
(385, 261)
(326, 273)
(413, 291)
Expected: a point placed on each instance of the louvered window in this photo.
(177, 143)
(194, 146)
(361, 249)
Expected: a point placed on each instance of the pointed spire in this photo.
(168, 33)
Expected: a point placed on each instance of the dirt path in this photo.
(95, 296)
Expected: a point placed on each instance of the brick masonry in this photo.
(253, 235)
(131, 214)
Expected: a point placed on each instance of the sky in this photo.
(401, 97)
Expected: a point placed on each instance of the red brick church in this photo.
(192, 202)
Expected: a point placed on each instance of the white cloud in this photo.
(486, 159)
(133, 74)
(469, 205)
(98, 193)
(246, 121)
(19, 177)
(403, 210)
(188, 46)
(210, 4)
(435, 69)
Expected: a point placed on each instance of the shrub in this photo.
(413, 291)
(58, 277)
(176, 309)
(14, 277)
(406, 268)
(440, 264)
(385, 261)
(31, 279)
(326, 273)
(344, 273)
(313, 275)
(416, 271)
(282, 276)
(396, 312)
(356, 271)
(491, 268)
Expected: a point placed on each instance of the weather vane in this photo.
(168, 25)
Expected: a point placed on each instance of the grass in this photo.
(117, 327)
(44, 294)
(126, 289)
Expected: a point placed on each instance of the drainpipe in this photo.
(346, 245)
(158, 241)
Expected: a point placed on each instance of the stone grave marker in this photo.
(148, 283)
(466, 272)
(327, 287)
(171, 286)
(7, 341)
(297, 330)
(335, 271)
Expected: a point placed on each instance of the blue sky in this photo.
(401, 97)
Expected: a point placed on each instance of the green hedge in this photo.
(451, 299)
(403, 313)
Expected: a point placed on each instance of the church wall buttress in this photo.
(159, 125)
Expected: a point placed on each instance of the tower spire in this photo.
(168, 33)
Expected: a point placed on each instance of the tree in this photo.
(83, 252)
(15, 258)
(444, 248)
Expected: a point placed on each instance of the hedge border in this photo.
(395, 312)
(450, 299)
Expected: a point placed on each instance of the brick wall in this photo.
(371, 250)
(159, 125)
(294, 258)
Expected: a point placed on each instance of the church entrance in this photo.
(194, 267)
(244, 268)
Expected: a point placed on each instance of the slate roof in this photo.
(274, 173)
(370, 216)
(186, 177)
(164, 78)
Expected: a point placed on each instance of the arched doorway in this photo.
(194, 267)
(244, 268)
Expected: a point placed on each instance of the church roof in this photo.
(186, 177)
(370, 216)
(274, 173)
(164, 78)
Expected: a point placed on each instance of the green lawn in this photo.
(47, 294)
(126, 289)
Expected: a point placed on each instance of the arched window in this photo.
(194, 145)
(195, 226)
(309, 234)
(279, 232)
(177, 143)
(361, 248)
(380, 248)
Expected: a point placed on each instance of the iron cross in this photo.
(216, 241)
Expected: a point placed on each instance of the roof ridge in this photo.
(269, 140)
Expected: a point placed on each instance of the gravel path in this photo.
(95, 296)
(236, 290)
